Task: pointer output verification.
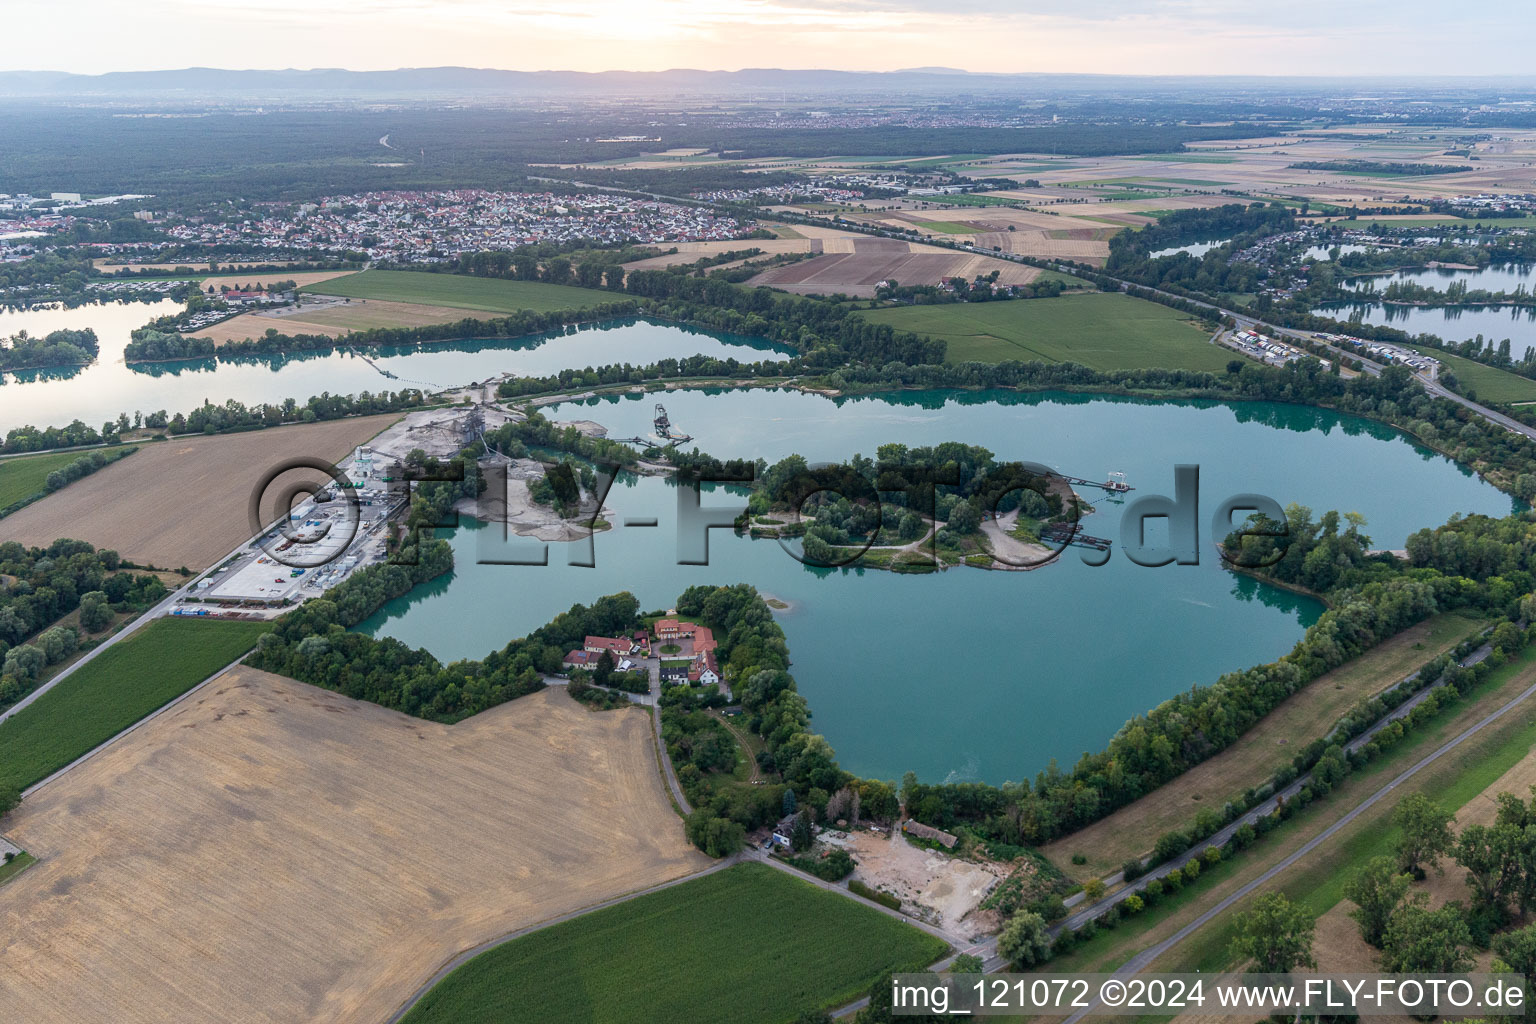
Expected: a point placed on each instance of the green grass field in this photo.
(747, 945)
(486, 294)
(1491, 383)
(945, 227)
(969, 199)
(1189, 158)
(1101, 330)
(18, 864)
(22, 477)
(136, 676)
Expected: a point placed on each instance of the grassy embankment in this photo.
(747, 945)
(1101, 330)
(1317, 881)
(490, 295)
(133, 678)
(1318, 878)
(1273, 741)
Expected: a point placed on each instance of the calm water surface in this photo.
(968, 674)
(109, 386)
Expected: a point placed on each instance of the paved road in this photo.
(1144, 958)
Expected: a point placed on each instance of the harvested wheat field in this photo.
(271, 852)
(261, 280)
(337, 320)
(183, 501)
(854, 265)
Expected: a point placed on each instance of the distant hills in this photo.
(199, 84)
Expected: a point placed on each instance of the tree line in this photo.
(41, 585)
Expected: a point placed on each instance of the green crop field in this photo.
(1101, 330)
(26, 477)
(970, 199)
(134, 677)
(21, 478)
(1185, 181)
(1189, 158)
(482, 293)
(944, 227)
(1491, 383)
(747, 945)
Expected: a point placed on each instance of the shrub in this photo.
(885, 899)
(1169, 844)
(1093, 890)
(1078, 858)
(1133, 869)
(1133, 904)
(834, 867)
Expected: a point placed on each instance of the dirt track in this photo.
(183, 501)
(270, 852)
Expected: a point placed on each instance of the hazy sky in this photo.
(1396, 37)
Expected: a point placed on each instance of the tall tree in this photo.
(1493, 858)
(1376, 891)
(1275, 935)
(1422, 940)
(1023, 942)
(1426, 833)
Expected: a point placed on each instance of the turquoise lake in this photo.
(109, 386)
(966, 674)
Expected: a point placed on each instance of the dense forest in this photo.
(303, 154)
(1377, 167)
(57, 348)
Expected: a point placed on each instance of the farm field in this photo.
(1277, 737)
(946, 227)
(489, 295)
(183, 501)
(335, 321)
(26, 475)
(856, 269)
(748, 945)
(1101, 330)
(155, 665)
(270, 852)
(303, 278)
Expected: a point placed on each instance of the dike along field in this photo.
(269, 852)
